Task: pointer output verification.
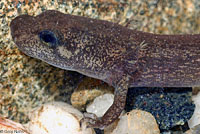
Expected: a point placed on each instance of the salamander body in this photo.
(115, 54)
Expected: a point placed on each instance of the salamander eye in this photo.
(48, 37)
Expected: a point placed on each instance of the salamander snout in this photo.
(20, 24)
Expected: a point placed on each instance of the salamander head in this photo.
(42, 37)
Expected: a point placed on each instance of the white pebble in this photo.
(195, 119)
(56, 118)
(100, 104)
(135, 122)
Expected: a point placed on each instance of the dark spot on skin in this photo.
(48, 37)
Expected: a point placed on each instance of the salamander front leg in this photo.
(113, 112)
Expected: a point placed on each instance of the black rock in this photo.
(171, 107)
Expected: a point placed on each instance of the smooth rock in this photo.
(100, 104)
(135, 122)
(86, 93)
(195, 119)
(57, 118)
(194, 130)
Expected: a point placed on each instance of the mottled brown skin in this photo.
(110, 52)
